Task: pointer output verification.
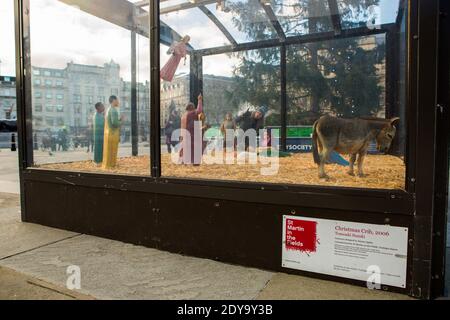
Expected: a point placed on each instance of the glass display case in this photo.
(200, 126)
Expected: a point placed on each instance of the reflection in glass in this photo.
(237, 15)
(304, 16)
(370, 13)
(79, 62)
(198, 23)
(259, 81)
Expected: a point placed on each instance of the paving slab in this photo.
(9, 187)
(8, 200)
(9, 172)
(291, 287)
(18, 286)
(16, 236)
(115, 270)
(15, 286)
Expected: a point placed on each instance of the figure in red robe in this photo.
(178, 50)
(192, 136)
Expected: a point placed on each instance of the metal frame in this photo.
(218, 24)
(273, 19)
(155, 125)
(222, 211)
(282, 42)
(438, 264)
(335, 16)
(134, 107)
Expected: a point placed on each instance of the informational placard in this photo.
(346, 249)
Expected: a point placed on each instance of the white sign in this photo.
(346, 249)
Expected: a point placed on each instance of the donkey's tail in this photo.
(315, 143)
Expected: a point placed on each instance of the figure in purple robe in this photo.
(190, 137)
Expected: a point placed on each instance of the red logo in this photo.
(301, 235)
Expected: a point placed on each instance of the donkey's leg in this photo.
(324, 156)
(352, 164)
(361, 157)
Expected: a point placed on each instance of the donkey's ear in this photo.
(394, 120)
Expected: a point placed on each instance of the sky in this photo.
(60, 34)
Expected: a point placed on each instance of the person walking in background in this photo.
(98, 131)
(172, 124)
(62, 139)
(90, 136)
(113, 122)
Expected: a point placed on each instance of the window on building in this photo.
(60, 108)
(48, 83)
(36, 72)
(49, 122)
(37, 82)
(37, 121)
(37, 95)
(47, 73)
(60, 96)
(38, 107)
(89, 90)
(59, 83)
(76, 98)
(49, 96)
(49, 108)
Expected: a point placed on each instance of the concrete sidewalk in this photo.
(9, 172)
(34, 261)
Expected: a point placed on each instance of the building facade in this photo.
(8, 108)
(67, 97)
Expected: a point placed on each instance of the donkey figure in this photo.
(350, 136)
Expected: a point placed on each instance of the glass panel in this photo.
(343, 98)
(227, 95)
(83, 72)
(303, 17)
(170, 3)
(173, 98)
(338, 62)
(368, 13)
(230, 14)
(207, 34)
(7, 68)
